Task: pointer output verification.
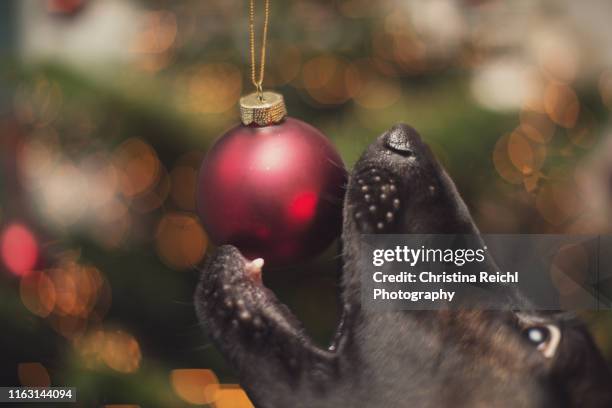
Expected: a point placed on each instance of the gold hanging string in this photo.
(262, 60)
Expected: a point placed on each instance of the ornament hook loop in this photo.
(260, 92)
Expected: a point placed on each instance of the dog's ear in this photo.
(579, 369)
(261, 338)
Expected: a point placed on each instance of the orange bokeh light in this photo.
(38, 293)
(502, 162)
(213, 88)
(195, 386)
(561, 104)
(369, 88)
(33, 375)
(137, 165)
(232, 396)
(158, 33)
(155, 196)
(536, 126)
(526, 155)
(121, 352)
(286, 65)
(116, 349)
(77, 289)
(154, 44)
(70, 296)
(180, 240)
(325, 79)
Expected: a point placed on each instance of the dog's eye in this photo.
(537, 335)
(546, 338)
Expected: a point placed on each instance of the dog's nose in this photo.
(402, 139)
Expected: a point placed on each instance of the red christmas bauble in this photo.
(275, 191)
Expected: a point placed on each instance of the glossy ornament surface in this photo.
(273, 191)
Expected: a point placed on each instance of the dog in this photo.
(443, 358)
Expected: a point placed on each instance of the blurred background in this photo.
(107, 108)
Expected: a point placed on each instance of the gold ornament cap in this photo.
(264, 110)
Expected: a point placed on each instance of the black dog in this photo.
(397, 359)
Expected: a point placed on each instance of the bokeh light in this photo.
(502, 162)
(556, 53)
(195, 386)
(77, 289)
(90, 347)
(504, 84)
(180, 240)
(158, 33)
(213, 88)
(561, 104)
(531, 182)
(397, 47)
(527, 156)
(137, 165)
(153, 45)
(324, 78)
(121, 352)
(583, 134)
(102, 179)
(116, 349)
(155, 196)
(38, 156)
(37, 293)
(370, 89)
(536, 126)
(19, 248)
(112, 224)
(71, 296)
(232, 396)
(33, 375)
(63, 203)
(69, 326)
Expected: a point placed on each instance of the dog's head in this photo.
(532, 359)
